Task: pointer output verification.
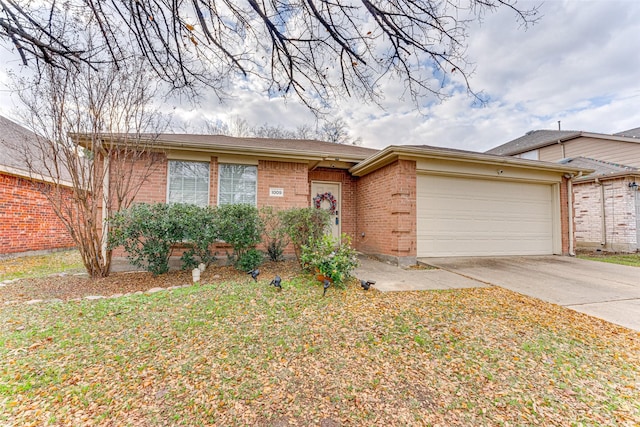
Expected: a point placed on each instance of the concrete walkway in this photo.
(608, 291)
(392, 278)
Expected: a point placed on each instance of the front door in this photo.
(326, 195)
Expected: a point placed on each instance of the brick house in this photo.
(28, 223)
(399, 204)
(607, 201)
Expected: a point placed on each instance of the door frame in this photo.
(339, 207)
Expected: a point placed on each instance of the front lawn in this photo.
(243, 353)
(40, 265)
(624, 259)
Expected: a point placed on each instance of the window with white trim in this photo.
(188, 182)
(237, 184)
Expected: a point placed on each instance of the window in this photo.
(531, 155)
(188, 182)
(237, 184)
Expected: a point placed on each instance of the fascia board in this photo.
(392, 153)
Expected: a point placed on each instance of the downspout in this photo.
(603, 225)
(570, 202)
(105, 201)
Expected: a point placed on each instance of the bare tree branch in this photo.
(318, 50)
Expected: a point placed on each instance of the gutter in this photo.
(603, 225)
(394, 152)
(256, 151)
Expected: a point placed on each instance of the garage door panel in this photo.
(473, 217)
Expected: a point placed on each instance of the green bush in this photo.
(331, 257)
(200, 233)
(303, 225)
(249, 260)
(239, 226)
(274, 236)
(147, 232)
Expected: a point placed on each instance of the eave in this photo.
(399, 152)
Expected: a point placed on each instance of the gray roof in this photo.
(221, 142)
(630, 133)
(532, 140)
(14, 140)
(600, 167)
(20, 153)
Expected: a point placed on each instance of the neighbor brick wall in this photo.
(27, 220)
(348, 202)
(620, 215)
(386, 212)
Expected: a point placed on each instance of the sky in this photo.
(580, 65)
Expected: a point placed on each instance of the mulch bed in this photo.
(68, 286)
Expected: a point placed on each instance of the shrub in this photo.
(275, 236)
(249, 260)
(303, 225)
(330, 257)
(147, 232)
(239, 226)
(200, 229)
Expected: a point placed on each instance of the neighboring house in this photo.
(398, 204)
(607, 206)
(607, 201)
(28, 223)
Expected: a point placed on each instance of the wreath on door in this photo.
(317, 202)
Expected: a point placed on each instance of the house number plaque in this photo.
(276, 192)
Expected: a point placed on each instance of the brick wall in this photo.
(291, 177)
(386, 212)
(27, 220)
(153, 178)
(619, 212)
(349, 191)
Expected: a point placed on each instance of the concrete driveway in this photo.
(608, 291)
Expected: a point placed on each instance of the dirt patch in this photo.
(68, 286)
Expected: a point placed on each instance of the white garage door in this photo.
(481, 217)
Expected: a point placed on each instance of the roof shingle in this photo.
(600, 167)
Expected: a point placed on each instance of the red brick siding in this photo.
(349, 190)
(27, 220)
(154, 187)
(386, 210)
(292, 177)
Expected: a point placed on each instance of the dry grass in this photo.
(234, 352)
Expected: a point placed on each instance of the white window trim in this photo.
(166, 197)
(255, 201)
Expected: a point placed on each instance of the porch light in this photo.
(633, 186)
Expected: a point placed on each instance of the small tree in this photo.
(95, 130)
